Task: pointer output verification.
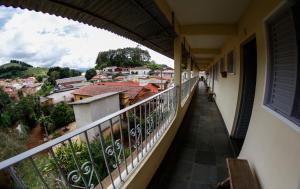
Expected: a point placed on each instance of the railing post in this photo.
(177, 67)
(189, 60)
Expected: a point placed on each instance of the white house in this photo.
(110, 69)
(140, 71)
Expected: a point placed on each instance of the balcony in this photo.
(196, 158)
(106, 153)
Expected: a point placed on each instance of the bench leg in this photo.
(224, 184)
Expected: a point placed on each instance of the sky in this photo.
(44, 40)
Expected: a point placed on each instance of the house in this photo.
(163, 83)
(70, 83)
(111, 69)
(45, 101)
(150, 86)
(11, 91)
(140, 71)
(62, 96)
(94, 108)
(31, 88)
(122, 70)
(168, 73)
(129, 94)
(99, 77)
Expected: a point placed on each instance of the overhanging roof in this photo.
(138, 20)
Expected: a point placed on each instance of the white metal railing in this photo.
(185, 90)
(97, 155)
(194, 81)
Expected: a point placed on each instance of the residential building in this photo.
(165, 73)
(70, 83)
(163, 83)
(63, 96)
(129, 94)
(140, 71)
(111, 69)
(91, 109)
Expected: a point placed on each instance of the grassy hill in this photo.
(36, 71)
(15, 69)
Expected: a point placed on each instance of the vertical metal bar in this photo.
(122, 143)
(161, 111)
(77, 163)
(156, 117)
(136, 138)
(145, 117)
(16, 179)
(105, 158)
(129, 139)
(60, 171)
(150, 122)
(113, 146)
(38, 173)
(92, 159)
(168, 107)
(140, 124)
(159, 115)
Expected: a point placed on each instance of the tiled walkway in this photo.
(196, 158)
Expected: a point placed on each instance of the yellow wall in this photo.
(271, 146)
(80, 97)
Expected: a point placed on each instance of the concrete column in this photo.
(177, 70)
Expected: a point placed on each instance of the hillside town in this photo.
(131, 84)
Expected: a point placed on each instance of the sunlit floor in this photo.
(196, 158)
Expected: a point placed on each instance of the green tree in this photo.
(53, 76)
(153, 66)
(126, 57)
(62, 114)
(26, 110)
(39, 78)
(45, 89)
(89, 74)
(47, 123)
(55, 73)
(5, 100)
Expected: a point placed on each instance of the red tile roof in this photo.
(128, 83)
(149, 86)
(93, 90)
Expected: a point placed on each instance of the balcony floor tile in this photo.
(196, 158)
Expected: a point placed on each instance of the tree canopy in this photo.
(55, 73)
(125, 57)
(89, 74)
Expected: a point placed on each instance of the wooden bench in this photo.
(240, 176)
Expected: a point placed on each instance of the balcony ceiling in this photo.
(208, 11)
(207, 24)
(138, 20)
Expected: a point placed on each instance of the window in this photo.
(216, 71)
(283, 87)
(231, 62)
(222, 65)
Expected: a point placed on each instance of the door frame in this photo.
(241, 84)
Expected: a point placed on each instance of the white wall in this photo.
(86, 113)
(271, 145)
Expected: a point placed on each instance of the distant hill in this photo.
(16, 68)
(14, 64)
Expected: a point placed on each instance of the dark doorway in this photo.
(246, 92)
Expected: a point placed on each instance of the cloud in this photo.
(46, 40)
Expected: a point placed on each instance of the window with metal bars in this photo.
(231, 62)
(283, 84)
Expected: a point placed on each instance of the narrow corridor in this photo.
(196, 158)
